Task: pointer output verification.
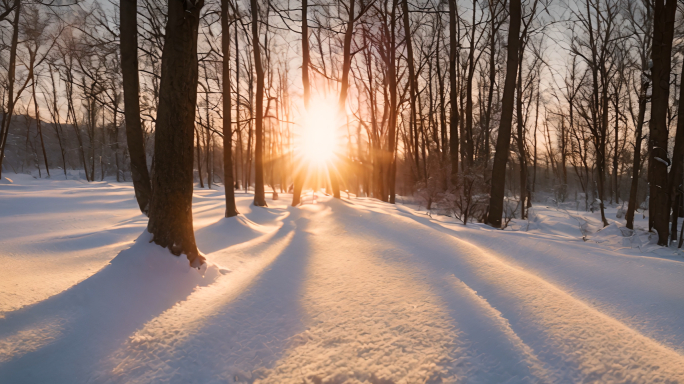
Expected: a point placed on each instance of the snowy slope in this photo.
(338, 291)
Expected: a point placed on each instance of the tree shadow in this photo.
(228, 231)
(241, 337)
(61, 338)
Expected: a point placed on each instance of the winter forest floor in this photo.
(337, 291)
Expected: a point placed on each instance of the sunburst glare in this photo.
(318, 140)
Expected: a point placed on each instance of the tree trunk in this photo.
(468, 139)
(77, 129)
(131, 86)
(503, 142)
(259, 195)
(453, 93)
(675, 176)
(616, 150)
(344, 86)
(7, 119)
(55, 121)
(39, 126)
(228, 180)
(171, 205)
(636, 162)
(300, 169)
(521, 139)
(413, 86)
(199, 158)
(663, 31)
(490, 92)
(392, 166)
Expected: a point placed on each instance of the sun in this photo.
(318, 137)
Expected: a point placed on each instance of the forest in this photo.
(348, 191)
(424, 100)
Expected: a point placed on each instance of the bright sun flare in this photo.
(318, 138)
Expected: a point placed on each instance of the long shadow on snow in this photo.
(251, 333)
(226, 232)
(493, 354)
(63, 337)
(245, 336)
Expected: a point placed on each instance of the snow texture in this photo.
(340, 291)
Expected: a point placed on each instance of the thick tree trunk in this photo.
(675, 176)
(663, 31)
(259, 194)
(131, 86)
(503, 142)
(228, 179)
(453, 93)
(171, 205)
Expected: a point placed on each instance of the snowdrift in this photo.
(94, 316)
(227, 232)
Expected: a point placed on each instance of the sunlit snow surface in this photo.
(337, 291)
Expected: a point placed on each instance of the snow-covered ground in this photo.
(337, 291)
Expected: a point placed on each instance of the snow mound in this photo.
(154, 264)
(616, 236)
(264, 215)
(6, 180)
(608, 233)
(138, 285)
(227, 232)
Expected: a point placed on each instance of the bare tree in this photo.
(171, 206)
(228, 180)
(661, 54)
(128, 11)
(496, 201)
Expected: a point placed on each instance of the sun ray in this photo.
(318, 143)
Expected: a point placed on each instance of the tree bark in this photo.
(391, 73)
(413, 86)
(663, 31)
(199, 158)
(675, 176)
(259, 194)
(490, 92)
(39, 125)
(453, 93)
(468, 139)
(131, 86)
(521, 138)
(7, 118)
(299, 171)
(344, 86)
(636, 161)
(228, 180)
(171, 205)
(503, 142)
(56, 124)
